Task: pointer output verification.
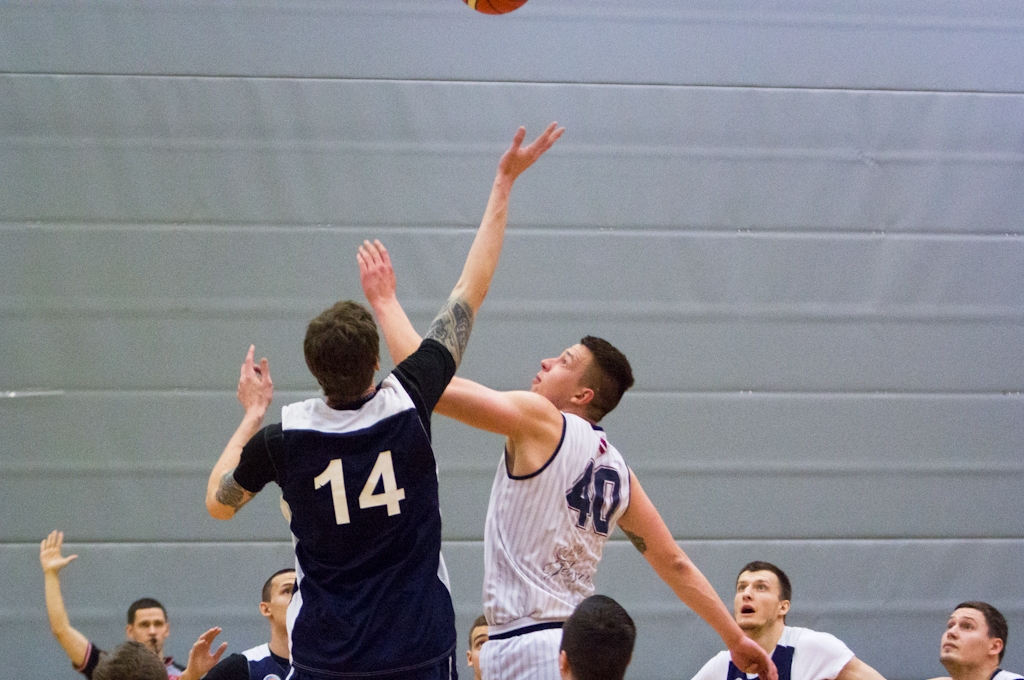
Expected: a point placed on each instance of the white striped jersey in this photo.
(545, 532)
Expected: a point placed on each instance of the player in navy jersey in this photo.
(973, 645)
(559, 491)
(760, 606)
(359, 477)
(268, 661)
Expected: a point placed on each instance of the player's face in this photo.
(479, 637)
(561, 377)
(150, 628)
(280, 597)
(966, 642)
(758, 600)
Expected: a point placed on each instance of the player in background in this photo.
(973, 645)
(359, 476)
(477, 638)
(560, 490)
(147, 618)
(263, 661)
(760, 606)
(597, 641)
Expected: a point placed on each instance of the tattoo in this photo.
(638, 541)
(451, 327)
(230, 493)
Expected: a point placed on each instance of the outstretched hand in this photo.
(748, 656)
(49, 553)
(376, 273)
(200, 660)
(518, 158)
(255, 388)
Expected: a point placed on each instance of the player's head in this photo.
(975, 638)
(597, 641)
(130, 661)
(147, 624)
(588, 378)
(276, 596)
(762, 597)
(342, 348)
(477, 638)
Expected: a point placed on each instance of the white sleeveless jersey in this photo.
(545, 532)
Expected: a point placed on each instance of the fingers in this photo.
(220, 651)
(264, 368)
(247, 364)
(517, 138)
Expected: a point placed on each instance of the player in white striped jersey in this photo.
(974, 643)
(559, 492)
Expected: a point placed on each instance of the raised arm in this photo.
(452, 325)
(75, 645)
(645, 528)
(224, 496)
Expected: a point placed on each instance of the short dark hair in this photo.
(994, 619)
(144, 603)
(341, 350)
(270, 582)
(477, 622)
(598, 639)
(609, 375)
(786, 590)
(130, 661)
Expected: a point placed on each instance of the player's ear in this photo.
(563, 665)
(583, 396)
(265, 608)
(469, 658)
(784, 607)
(995, 646)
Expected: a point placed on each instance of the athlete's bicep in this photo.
(507, 413)
(644, 526)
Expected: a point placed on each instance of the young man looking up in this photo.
(974, 643)
(559, 491)
(760, 607)
(359, 476)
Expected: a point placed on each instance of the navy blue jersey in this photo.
(361, 485)
(258, 663)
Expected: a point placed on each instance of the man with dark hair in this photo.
(760, 606)
(477, 638)
(359, 476)
(130, 661)
(268, 660)
(147, 618)
(597, 641)
(974, 643)
(559, 491)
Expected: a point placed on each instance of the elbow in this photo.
(681, 566)
(219, 510)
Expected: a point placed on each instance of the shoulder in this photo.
(812, 640)
(717, 668)
(1006, 675)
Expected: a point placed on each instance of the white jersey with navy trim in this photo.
(262, 665)
(801, 654)
(1000, 674)
(545, 532)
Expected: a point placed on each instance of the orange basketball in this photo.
(495, 6)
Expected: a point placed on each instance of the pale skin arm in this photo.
(855, 669)
(452, 326)
(75, 644)
(645, 528)
(200, 660)
(224, 496)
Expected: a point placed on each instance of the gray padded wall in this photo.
(800, 220)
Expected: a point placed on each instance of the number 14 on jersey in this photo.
(383, 469)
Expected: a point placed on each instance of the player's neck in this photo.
(972, 672)
(767, 637)
(279, 640)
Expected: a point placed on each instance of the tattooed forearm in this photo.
(451, 327)
(230, 493)
(637, 541)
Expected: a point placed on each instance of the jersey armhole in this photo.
(543, 467)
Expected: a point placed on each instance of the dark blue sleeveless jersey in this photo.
(361, 486)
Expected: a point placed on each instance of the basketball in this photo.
(495, 6)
